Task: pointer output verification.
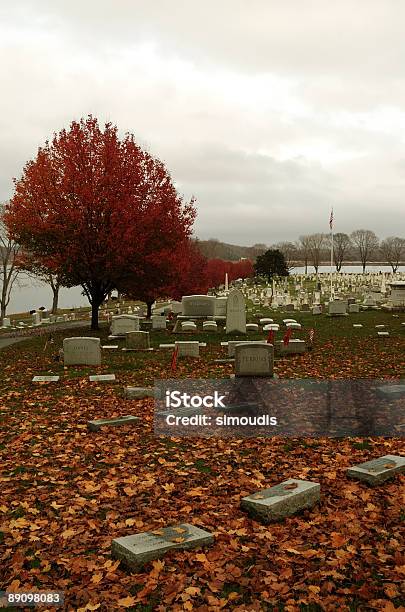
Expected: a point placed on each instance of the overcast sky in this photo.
(268, 111)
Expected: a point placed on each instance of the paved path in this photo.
(9, 341)
(21, 335)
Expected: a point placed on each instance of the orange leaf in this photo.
(338, 540)
(126, 602)
(130, 491)
(193, 591)
(96, 578)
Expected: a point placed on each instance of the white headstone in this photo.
(236, 313)
(158, 322)
(122, 324)
(338, 307)
(81, 350)
(254, 359)
(198, 305)
(220, 306)
(188, 349)
(137, 340)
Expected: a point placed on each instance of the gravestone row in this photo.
(266, 505)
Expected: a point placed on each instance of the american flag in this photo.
(174, 358)
(287, 336)
(270, 337)
(331, 219)
(311, 335)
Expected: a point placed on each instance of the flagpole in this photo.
(331, 253)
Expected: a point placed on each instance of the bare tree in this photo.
(289, 250)
(366, 242)
(303, 246)
(38, 269)
(393, 250)
(316, 243)
(9, 269)
(341, 248)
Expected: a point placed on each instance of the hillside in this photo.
(213, 249)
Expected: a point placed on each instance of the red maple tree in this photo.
(180, 271)
(96, 207)
(217, 268)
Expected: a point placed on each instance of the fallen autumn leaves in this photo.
(66, 493)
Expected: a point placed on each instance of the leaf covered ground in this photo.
(67, 492)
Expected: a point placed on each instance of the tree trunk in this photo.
(3, 301)
(55, 291)
(94, 315)
(149, 309)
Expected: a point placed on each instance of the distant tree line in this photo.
(361, 245)
(313, 249)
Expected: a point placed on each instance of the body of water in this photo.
(28, 294)
(358, 269)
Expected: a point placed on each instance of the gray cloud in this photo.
(268, 112)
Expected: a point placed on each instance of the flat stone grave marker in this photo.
(110, 346)
(96, 424)
(378, 470)
(101, 377)
(383, 333)
(252, 327)
(139, 392)
(282, 500)
(357, 325)
(45, 379)
(140, 548)
(188, 326)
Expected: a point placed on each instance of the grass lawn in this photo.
(67, 492)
